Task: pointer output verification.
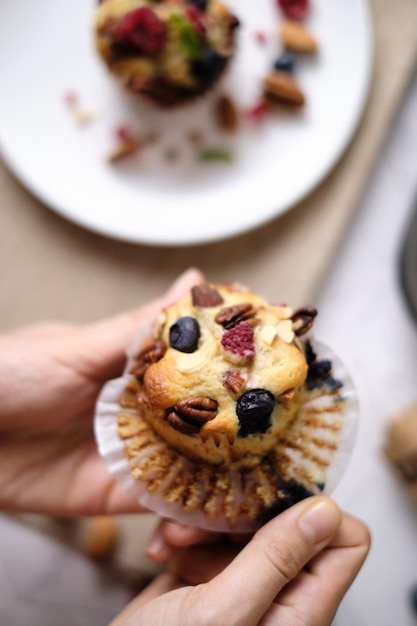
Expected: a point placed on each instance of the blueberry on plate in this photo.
(184, 334)
(285, 63)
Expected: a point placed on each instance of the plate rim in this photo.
(196, 239)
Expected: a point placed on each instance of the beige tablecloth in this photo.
(50, 268)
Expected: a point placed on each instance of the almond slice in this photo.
(297, 38)
(282, 87)
(285, 331)
(268, 334)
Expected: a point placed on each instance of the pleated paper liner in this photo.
(309, 459)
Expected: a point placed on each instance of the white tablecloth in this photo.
(364, 317)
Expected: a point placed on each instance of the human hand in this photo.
(50, 377)
(295, 571)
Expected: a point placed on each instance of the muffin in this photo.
(228, 412)
(401, 448)
(168, 51)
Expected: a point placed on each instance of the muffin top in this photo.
(222, 374)
(182, 43)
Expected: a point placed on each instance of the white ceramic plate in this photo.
(47, 49)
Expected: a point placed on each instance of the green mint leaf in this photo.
(188, 38)
(215, 154)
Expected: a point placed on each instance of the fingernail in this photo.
(178, 532)
(175, 527)
(156, 545)
(319, 521)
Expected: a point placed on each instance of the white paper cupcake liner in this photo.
(309, 459)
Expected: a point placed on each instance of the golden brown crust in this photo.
(295, 468)
(186, 442)
(277, 366)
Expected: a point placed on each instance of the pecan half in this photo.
(205, 296)
(233, 380)
(198, 408)
(231, 316)
(189, 415)
(178, 423)
(150, 354)
(303, 319)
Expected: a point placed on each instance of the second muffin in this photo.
(168, 51)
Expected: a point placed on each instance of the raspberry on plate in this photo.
(295, 9)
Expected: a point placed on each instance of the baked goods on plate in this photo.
(228, 411)
(169, 52)
(401, 447)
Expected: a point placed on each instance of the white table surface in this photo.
(363, 317)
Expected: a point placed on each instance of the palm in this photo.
(50, 378)
(49, 459)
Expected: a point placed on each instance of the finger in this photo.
(328, 576)
(169, 536)
(240, 539)
(246, 588)
(183, 536)
(40, 330)
(122, 327)
(157, 548)
(162, 584)
(349, 546)
(200, 564)
(106, 342)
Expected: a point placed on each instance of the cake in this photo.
(226, 415)
(168, 51)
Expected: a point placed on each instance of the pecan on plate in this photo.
(231, 316)
(150, 354)
(189, 415)
(227, 115)
(303, 319)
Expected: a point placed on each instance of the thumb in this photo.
(106, 341)
(123, 326)
(247, 587)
